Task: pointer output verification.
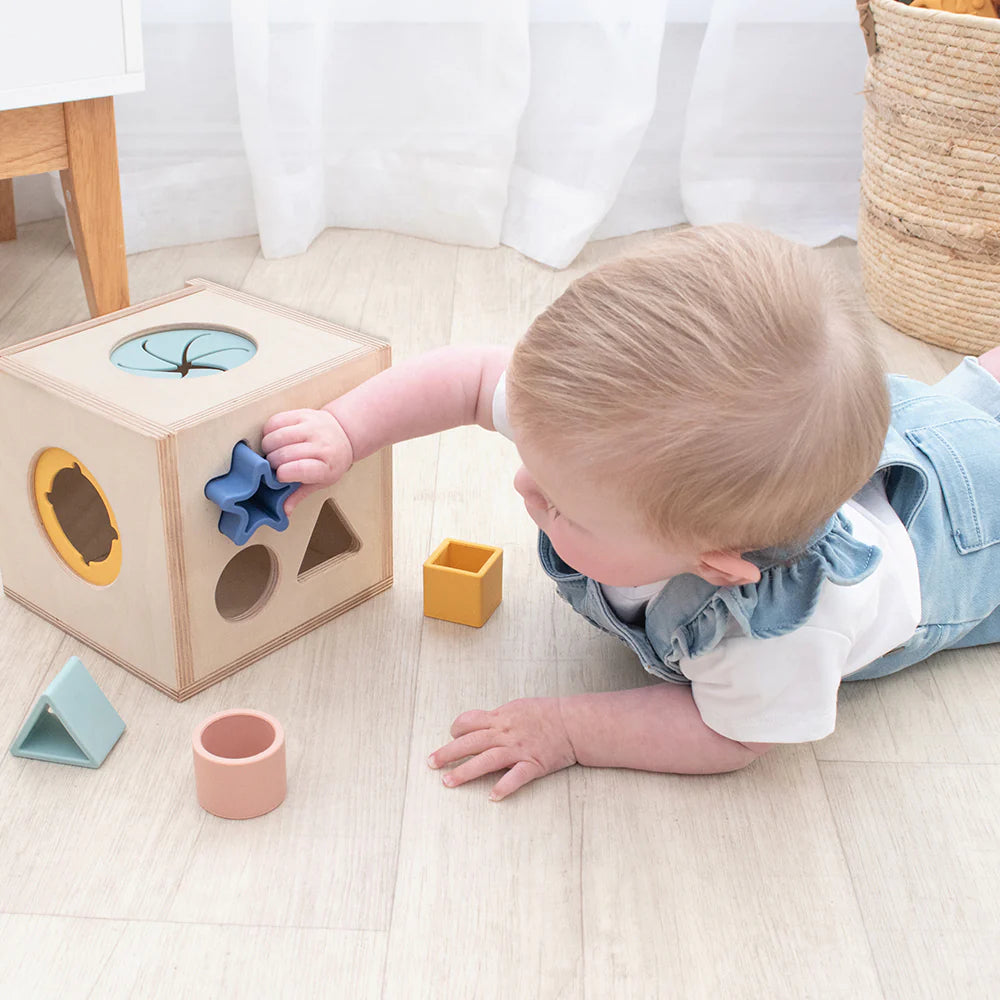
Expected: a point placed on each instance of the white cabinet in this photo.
(53, 51)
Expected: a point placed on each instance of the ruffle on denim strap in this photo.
(694, 615)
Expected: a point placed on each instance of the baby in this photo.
(724, 479)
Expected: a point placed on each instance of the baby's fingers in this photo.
(280, 420)
(303, 470)
(282, 438)
(517, 777)
(287, 454)
(470, 721)
(466, 746)
(494, 759)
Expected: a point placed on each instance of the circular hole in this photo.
(238, 736)
(183, 352)
(246, 582)
(76, 516)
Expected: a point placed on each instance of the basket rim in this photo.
(944, 16)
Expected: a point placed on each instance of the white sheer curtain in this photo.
(539, 124)
(773, 133)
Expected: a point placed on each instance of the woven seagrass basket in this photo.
(929, 227)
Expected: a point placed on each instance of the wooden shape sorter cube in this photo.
(111, 431)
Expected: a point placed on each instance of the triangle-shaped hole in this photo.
(332, 537)
(48, 739)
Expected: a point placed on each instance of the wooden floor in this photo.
(864, 866)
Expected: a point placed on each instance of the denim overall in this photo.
(941, 468)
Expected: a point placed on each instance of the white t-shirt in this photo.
(784, 689)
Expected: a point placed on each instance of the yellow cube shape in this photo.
(463, 582)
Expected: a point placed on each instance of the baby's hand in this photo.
(308, 447)
(528, 736)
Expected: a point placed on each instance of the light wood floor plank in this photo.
(110, 842)
(59, 958)
(921, 845)
(54, 958)
(905, 717)
(945, 710)
(718, 886)
(206, 962)
(969, 682)
(503, 875)
(409, 281)
(59, 300)
(24, 261)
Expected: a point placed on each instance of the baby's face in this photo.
(589, 526)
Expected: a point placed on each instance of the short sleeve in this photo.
(500, 421)
(777, 690)
(783, 688)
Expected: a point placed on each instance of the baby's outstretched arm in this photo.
(445, 388)
(656, 728)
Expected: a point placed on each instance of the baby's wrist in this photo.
(329, 409)
(575, 713)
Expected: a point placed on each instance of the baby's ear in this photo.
(726, 569)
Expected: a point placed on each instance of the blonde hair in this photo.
(726, 378)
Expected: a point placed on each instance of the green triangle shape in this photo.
(48, 739)
(71, 723)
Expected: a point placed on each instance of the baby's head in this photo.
(719, 394)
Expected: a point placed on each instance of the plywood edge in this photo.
(69, 331)
(265, 391)
(284, 639)
(106, 408)
(180, 614)
(86, 640)
(387, 507)
(368, 339)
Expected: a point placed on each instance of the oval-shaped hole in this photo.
(246, 583)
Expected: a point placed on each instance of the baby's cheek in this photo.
(569, 548)
(601, 564)
(538, 516)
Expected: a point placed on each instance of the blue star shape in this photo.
(249, 495)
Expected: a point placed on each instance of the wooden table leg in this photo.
(93, 202)
(8, 224)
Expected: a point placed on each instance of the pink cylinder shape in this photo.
(239, 763)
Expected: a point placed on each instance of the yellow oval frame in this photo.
(51, 461)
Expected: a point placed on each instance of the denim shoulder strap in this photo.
(690, 616)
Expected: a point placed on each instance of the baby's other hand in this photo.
(528, 736)
(308, 447)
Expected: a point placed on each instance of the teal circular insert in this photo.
(183, 352)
